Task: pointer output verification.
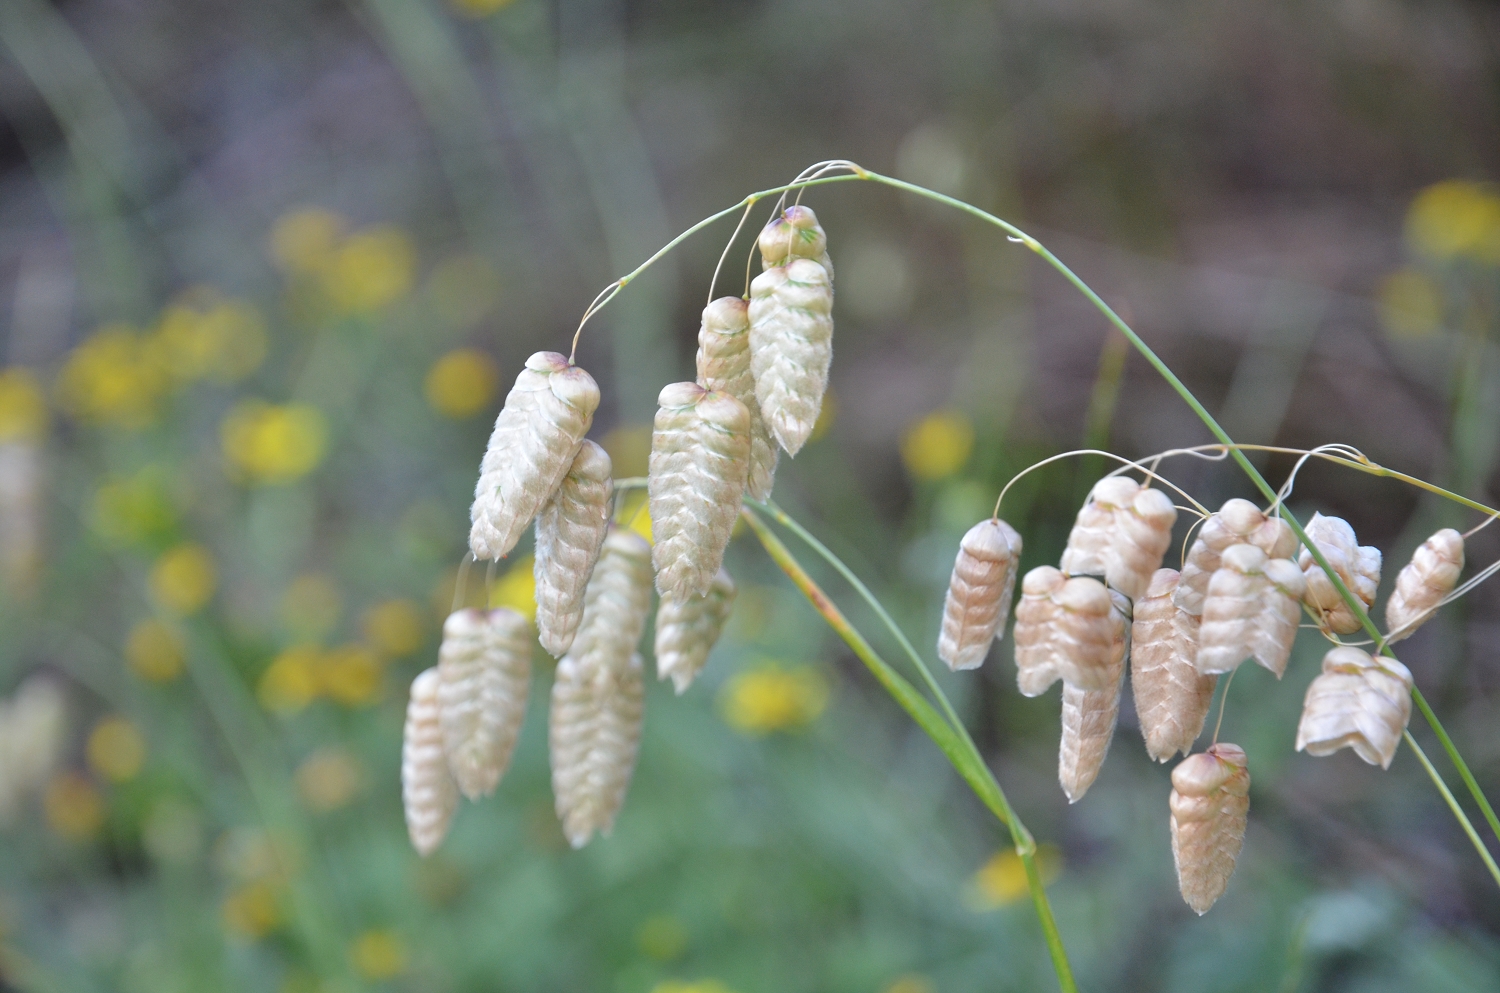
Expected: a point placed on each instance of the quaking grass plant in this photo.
(1246, 583)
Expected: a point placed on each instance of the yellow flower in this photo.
(938, 445)
(290, 682)
(480, 8)
(23, 406)
(394, 627)
(379, 954)
(635, 513)
(774, 699)
(662, 938)
(329, 778)
(112, 378)
(629, 448)
(311, 606)
(252, 911)
(74, 808)
(303, 241)
(274, 444)
(462, 383)
(155, 651)
(1002, 879)
(203, 336)
(184, 579)
(132, 510)
(1455, 218)
(371, 270)
(1411, 304)
(116, 749)
(911, 983)
(517, 589)
(701, 986)
(351, 675)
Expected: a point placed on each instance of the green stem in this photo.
(1453, 806)
(956, 746)
(1463, 769)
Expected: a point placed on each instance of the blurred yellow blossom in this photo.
(462, 383)
(311, 605)
(1454, 218)
(662, 937)
(394, 627)
(268, 443)
(938, 445)
(463, 289)
(516, 589)
(184, 579)
(1002, 879)
(329, 778)
(351, 675)
(378, 954)
(155, 651)
(1411, 304)
(204, 336)
(112, 378)
(701, 986)
(910, 983)
(370, 270)
(116, 749)
(635, 513)
(131, 510)
(74, 808)
(827, 414)
(290, 682)
(23, 406)
(252, 911)
(629, 448)
(480, 8)
(302, 241)
(772, 698)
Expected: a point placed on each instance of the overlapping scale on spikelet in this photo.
(979, 593)
(1359, 702)
(1089, 715)
(428, 792)
(484, 668)
(1210, 804)
(791, 347)
(687, 629)
(1430, 576)
(1121, 533)
(1171, 697)
(1358, 567)
(794, 234)
(1251, 611)
(1037, 630)
(570, 532)
(724, 365)
(1238, 522)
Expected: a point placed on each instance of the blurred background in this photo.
(266, 271)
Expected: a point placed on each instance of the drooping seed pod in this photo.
(569, 535)
(724, 365)
(485, 669)
(686, 631)
(1210, 805)
(979, 592)
(1357, 702)
(617, 599)
(1089, 716)
(1430, 576)
(1121, 533)
(595, 734)
(544, 419)
(428, 792)
(794, 234)
(1171, 697)
(1251, 611)
(1237, 522)
(1064, 630)
(700, 454)
(791, 347)
(1358, 567)
(1036, 627)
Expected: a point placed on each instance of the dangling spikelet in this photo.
(794, 234)
(1357, 702)
(1210, 803)
(1237, 522)
(686, 631)
(1121, 533)
(1358, 567)
(569, 534)
(979, 592)
(1088, 716)
(427, 789)
(791, 347)
(546, 415)
(1251, 611)
(1036, 630)
(485, 669)
(1171, 697)
(595, 734)
(724, 365)
(1430, 575)
(700, 453)
(1085, 637)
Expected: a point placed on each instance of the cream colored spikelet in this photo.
(484, 665)
(1210, 805)
(700, 454)
(1251, 611)
(1121, 533)
(979, 593)
(569, 535)
(794, 234)
(544, 419)
(428, 791)
(1237, 522)
(1357, 702)
(1358, 567)
(1089, 716)
(791, 347)
(687, 629)
(1036, 630)
(724, 365)
(1431, 575)
(1172, 698)
(1064, 630)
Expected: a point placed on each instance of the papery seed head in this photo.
(1036, 630)
(791, 347)
(428, 792)
(1237, 522)
(1122, 533)
(1358, 567)
(1171, 698)
(792, 234)
(484, 668)
(570, 533)
(724, 365)
(1209, 806)
(1430, 576)
(1089, 715)
(979, 592)
(687, 629)
(1357, 702)
(594, 736)
(1251, 611)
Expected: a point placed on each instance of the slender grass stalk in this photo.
(1437, 781)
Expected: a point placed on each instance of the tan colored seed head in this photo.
(569, 535)
(724, 365)
(428, 792)
(1121, 533)
(1171, 697)
(1089, 715)
(1357, 702)
(1358, 567)
(484, 665)
(791, 347)
(979, 592)
(538, 432)
(594, 736)
(686, 631)
(1251, 611)
(1430, 576)
(1036, 630)
(1210, 804)
(1237, 522)
(794, 234)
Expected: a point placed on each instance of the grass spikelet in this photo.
(1359, 702)
(1251, 611)
(979, 593)
(791, 347)
(1089, 715)
(484, 668)
(428, 792)
(570, 532)
(1036, 630)
(686, 631)
(1171, 697)
(794, 234)
(1237, 522)
(724, 365)
(1430, 575)
(1210, 804)
(1358, 567)
(1121, 533)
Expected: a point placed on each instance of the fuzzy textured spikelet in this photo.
(686, 631)
(1238, 522)
(544, 419)
(1171, 697)
(1036, 630)
(1121, 533)
(428, 791)
(1251, 611)
(724, 365)
(979, 593)
(700, 454)
(791, 347)
(1431, 575)
(1210, 804)
(794, 234)
(569, 534)
(484, 665)
(1357, 702)
(1088, 716)
(1358, 567)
